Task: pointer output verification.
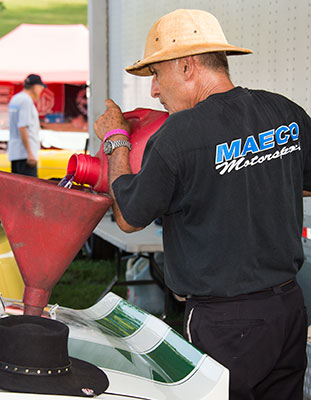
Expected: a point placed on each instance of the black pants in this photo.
(260, 339)
(21, 167)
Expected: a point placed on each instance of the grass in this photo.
(17, 12)
(83, 283)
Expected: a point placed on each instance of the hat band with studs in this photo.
(17, 369)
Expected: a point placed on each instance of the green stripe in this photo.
(176, 357)
(124, 320)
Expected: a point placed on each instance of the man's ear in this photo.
(186, 67)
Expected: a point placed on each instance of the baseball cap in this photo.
(34, 79)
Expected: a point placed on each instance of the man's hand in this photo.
(118, 161)
(31, 160)
(111, 119)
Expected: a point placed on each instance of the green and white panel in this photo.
(140, 352)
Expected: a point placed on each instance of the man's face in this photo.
(169, 86)
(37, 90)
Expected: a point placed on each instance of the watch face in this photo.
(108, 147)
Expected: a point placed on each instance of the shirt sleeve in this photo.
(24, 114)
(147, 195)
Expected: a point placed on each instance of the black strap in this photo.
(34, 371)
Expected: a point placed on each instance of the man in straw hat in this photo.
(226, 171)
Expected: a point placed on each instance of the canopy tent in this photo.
(59, 53)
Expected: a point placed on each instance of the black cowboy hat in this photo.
(34, 359)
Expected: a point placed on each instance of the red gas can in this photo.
(94, 170)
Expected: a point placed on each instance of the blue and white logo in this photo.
(232, 156)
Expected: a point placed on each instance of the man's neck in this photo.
(214, 83)
(30, 94)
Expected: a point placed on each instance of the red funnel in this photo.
(46, 226)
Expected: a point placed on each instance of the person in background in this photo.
(24, 141)
(226, 171)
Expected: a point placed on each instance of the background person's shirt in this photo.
(23, 113)
(227, 177)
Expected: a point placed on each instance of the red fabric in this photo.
(52, 102)
(59, 53)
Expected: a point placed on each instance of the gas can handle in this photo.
(138, 113)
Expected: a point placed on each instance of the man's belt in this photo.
(271, 291)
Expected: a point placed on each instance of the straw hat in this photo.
(183, 33)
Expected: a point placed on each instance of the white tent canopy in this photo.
(59, 53)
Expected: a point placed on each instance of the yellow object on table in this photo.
(11, 282)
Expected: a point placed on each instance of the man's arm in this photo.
(118, 161)
(306, 193)
(119, 165)
(31, 159)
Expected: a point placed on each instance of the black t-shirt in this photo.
(227, 177)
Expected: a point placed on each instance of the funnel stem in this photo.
(33, 310)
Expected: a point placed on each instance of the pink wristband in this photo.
(116, 132)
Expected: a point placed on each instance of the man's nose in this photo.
(155, 92)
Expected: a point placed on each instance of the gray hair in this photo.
(215, 60)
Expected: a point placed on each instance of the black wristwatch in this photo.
(111, 145)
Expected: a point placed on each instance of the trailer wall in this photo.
(278, 31)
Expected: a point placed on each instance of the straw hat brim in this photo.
(141, 67)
